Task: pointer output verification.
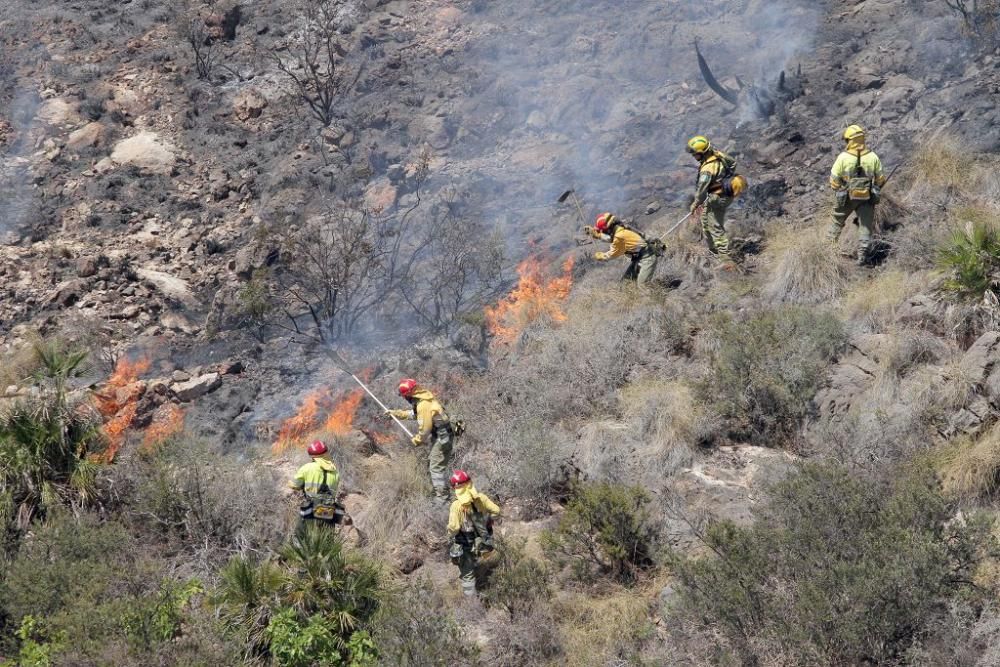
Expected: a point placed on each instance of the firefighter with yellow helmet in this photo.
(717, 186)
(856, 178)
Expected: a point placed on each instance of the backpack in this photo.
(732, 183)
(325, 507)
(859, 186)
(654, 246)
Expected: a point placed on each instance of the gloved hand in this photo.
(599, 256)
(694, 207)
(591, 232)
(416, 440)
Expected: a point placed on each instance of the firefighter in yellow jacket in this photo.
(717, 186)
(318, 481)
(643, 253)
(434, 427)
(856, 178)
(470, 528)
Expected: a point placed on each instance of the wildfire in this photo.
(118, 402)
(167, 422)
(319, 410)
(341, 418)
(535, 296)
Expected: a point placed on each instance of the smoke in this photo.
(16, 197)
(599, 95)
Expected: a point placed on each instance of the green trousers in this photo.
(842, 210)
(467, 572)
(713, 223)
(439, 459)
(641, 269)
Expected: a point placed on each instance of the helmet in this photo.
(604, 222)
(699, 145)
(407, 387)
(317, 448)
(854, 132)
(458, 478)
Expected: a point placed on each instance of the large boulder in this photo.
(91, 135)
(146, 150)
(196, 387)
(249, 104)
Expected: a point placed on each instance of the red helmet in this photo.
(458, 478)
(407, 387)
(317, 448)
(604, 221)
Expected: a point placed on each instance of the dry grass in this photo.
(873, 303)
(607, 630)
(804, 268)
(941, 163)
(970, 469)
(398, 492)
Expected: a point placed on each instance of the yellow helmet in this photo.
(699, 145)
(854, 132)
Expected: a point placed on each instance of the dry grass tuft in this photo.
(398, 496)
(608, 630)
(806, 268)
(970, 469)
(941, 163)
(874, 302)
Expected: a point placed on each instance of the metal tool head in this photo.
(564, 196)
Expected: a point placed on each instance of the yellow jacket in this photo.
(847, 162)
(624, 242)
(310, 477)
(708, 176)
(466, 498)
(425, 408)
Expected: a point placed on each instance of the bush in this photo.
(970, 259)
(805, 269)
(835, 570)
(415, 628)
(766, 369)
(970, 468)
(517, 583)
(605, 528)
(313, 605)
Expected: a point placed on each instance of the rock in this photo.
(231, 367)
(380, 196)
(69, 292)
(171, 286)
(918, 309)
(56, 111)
(196, 387)
(249, 104)
(253, 257)
(86, 267)
(978, 361)
(175, 321)
(852, 376)
(180, 376)
(145, 150)
(90, 135)
(653, 207)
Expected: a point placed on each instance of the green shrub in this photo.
(416, 628)
(44, 443)
(835, 570)
(306, 607)
(970, 259)
(605, 528)
(517, 583)
(766, 369)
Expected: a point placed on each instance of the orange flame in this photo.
(534, 296)
(294, 429)
(341, 418)
(167, 422)
(118, 402)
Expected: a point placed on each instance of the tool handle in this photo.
(342, 365)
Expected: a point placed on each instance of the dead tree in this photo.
(191, 27)
(316, 69)
(981, 19)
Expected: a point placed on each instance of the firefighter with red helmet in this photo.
(470, 528)
(434, 427)
(318, 481)
(643, 253)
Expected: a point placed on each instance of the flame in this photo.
(167, 422)
(341, 419)
(534, 296)
(294, 429)
(118, 402)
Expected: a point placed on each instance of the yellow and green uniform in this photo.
(434, 427)
(856, 158)
(710, 193)
(311, 476)
(630, 243)
(467, 527)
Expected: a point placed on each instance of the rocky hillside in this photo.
(227, 205)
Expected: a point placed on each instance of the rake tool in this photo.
(342, 365)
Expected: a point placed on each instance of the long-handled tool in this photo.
(677, 224)
(342, 365)
(576, 201)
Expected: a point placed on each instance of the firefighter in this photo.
(717, 186)
(856, 178)
(318, 481)
(434, 427)
(470, 527)
(643, 253)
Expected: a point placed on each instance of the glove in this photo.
(694, 207)
(591, 232)
(416, 440)
(599, 256)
